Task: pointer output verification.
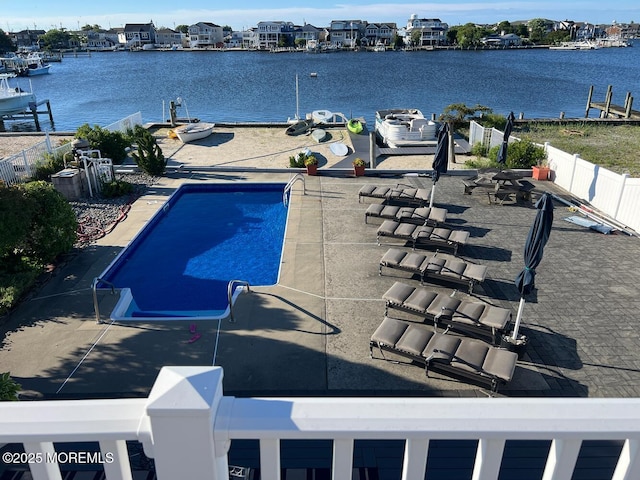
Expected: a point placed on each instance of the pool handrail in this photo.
(289, 185)
(94, 288)
(230, 296)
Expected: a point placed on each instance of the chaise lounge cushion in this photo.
(474, 317)
(415, 215)
(423, 234)
(400, 193)
(451, 354)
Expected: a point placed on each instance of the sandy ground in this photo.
(253, 147)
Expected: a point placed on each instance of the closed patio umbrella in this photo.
(441, 158)
(533, 249)
(502, 153)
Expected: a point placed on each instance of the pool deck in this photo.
(309, 335)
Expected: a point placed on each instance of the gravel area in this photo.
(97, 216)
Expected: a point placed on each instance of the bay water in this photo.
(261, 86)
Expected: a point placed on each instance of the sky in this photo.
(73, 14)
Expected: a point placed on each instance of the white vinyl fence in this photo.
(615, 195)
(20, 168)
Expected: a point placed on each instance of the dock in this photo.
(31, 113)
(607, 109)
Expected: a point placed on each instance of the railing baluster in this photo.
(40, 465)
(488, 459)
(562, 459)
(342, 459)
(116, 460)
(628, 467)
(270, 459)
(414, 464)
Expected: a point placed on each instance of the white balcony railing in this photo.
(188, 424)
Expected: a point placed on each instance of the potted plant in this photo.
(540, 171)
(311, 162)
(358, 167)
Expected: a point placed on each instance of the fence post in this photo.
(623, 181)
(573, 171)
(182, 408)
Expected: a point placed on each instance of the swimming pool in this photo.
(180, 264)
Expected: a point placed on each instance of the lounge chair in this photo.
(424, 235)
(435, 266)
(416, 215)
(404, 194)
(474, 318)
(448, 354)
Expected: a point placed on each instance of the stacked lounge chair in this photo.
(448, 354)
(404, 194)
(472, 317)
(452, 269)
(426, 235)
(416, 215)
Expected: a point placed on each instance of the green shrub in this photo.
(53, 226)
(298, 161)
(479, 149)
(17, 280)
(17, 210)
(49, 165)
(112, 145)
(524, 154)
(493, 120)
(9, 388)
(116, 188)
(149, 156)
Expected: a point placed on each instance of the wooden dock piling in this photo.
(608, 109)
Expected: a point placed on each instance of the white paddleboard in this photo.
(339, 149)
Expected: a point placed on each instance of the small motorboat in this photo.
(193, 131)
(300, 127)
(355, 126)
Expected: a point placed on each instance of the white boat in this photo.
(193, 131)
(12, 98)
(580, 45)
(405, 127)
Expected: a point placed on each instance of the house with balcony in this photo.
(136, 35)
(98, 41)
(167, 38)
(26, 39)
(380, 33)
(274, 34)
(346, 33)
(206, 35)
(433, 32)
(502, 41)
(307, 34)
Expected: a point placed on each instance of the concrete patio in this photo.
(309, 334)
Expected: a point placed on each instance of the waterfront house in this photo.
(307, 33)
(26, 39)
(167, 38)
(433, 31)
(506, 40)
(380, 33)
(206, 35)
(273, 34)
(135, 35)
(346, 33)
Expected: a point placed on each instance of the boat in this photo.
(405, 127)
(194, 131)
(12, 98)
(300, 127)
(31, 65)
(578, 45)
(355, 126)
(319, 135)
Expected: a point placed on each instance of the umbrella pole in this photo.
(516, 327)
(433, 189)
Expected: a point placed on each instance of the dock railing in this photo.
(187, 425)
(615, 195)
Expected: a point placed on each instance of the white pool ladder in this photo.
(289, 185)
(230, 287)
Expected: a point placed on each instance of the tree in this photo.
(416, 37)
(5, 43)
(458, 113)
(183, 29)
(452, 36)
(55, 39)
(538, 29)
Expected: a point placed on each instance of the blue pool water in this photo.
(180, 264)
